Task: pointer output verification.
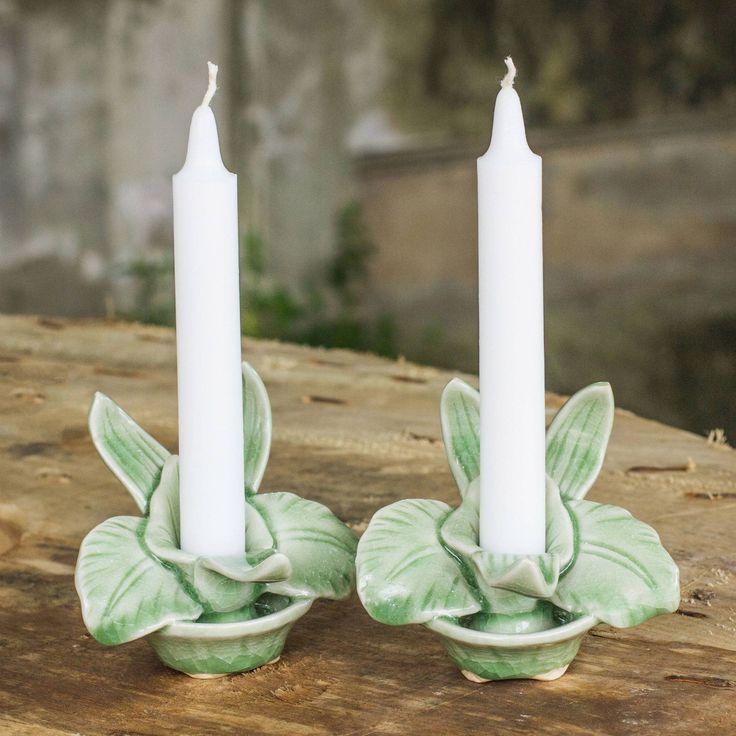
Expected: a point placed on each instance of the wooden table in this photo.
(354, 432)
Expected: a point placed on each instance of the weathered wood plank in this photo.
(375, 440)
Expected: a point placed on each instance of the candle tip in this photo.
(211, 85)
(508, 80)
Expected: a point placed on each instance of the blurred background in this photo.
(354, 126)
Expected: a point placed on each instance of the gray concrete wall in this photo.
(310, 72)
(94, 108)
(53, 201)
(95, 102)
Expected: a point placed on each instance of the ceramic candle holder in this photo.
(517, 616)
(205, 616)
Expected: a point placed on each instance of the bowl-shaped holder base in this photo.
(541, 655)
(209, 650)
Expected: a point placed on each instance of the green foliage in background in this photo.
(154, 280)
(329, 312)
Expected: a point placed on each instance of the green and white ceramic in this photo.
(516, 616)
(205, 650)
(206, 616)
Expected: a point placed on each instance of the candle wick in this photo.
(211, 85)
(508, 80)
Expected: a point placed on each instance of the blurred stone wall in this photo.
(95, 102)
(310, 75)
(53, 195)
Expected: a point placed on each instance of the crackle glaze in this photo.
(208, 650)
(541, 655)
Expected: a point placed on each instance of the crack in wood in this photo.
(707, 680)
(690, 614)
(312, 399)
(687, 467)
(408, 379)
(711, 495)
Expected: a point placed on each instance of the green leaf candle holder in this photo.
(205, 616)
(517, 616)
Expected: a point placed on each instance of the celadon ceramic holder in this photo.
(205, 616)
(515, 616)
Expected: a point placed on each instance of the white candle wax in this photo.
(511, 329)
(211, 483)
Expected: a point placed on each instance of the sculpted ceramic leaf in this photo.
(220, 583)
(320, 548)
(264, 565)
(230, 583)
(162, 532)
(405, 575)
(257, 534)
(621, 573)
(460, 418)
(125, 592)
(577, 439)
(220, 594)
(256, 427)
(560, 533)
(133, 455)
(528, 575)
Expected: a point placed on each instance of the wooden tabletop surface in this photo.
(356, 433)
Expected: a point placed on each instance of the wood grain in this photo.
(372, 437)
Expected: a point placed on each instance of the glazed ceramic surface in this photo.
(486, 656)
(420, 562)
(206, 615)
(214, 649)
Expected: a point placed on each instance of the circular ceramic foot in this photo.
(206, 675)
(214, 676)
(545, 677)
(468, 675)
(552, 674)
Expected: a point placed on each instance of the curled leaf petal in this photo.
(267, 566)
(560, 534)
(528, 575)
(220, 583)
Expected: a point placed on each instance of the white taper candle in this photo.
(212, 499)
(511, 311)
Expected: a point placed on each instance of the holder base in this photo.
(212, 650)
(483, 656)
